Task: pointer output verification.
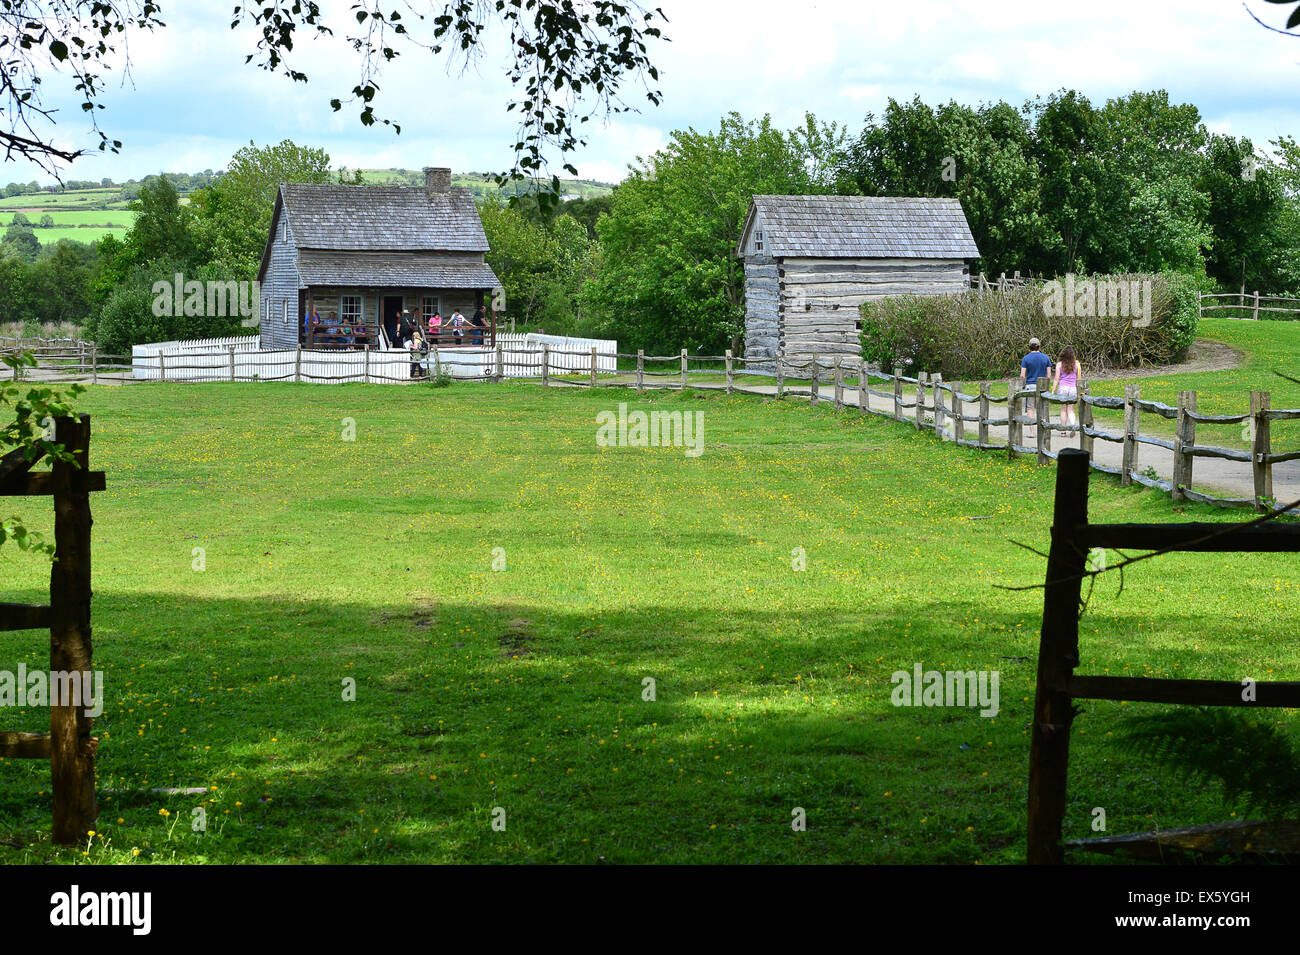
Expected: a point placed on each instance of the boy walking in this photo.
(1033, 366)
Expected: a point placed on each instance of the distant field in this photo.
(73, 199)
(77, 234)
(76, 217)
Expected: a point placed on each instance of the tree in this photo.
(569, 61)
(1247, 216)
(541, 266)
(233, 214)
(669, 276)
(20, 239)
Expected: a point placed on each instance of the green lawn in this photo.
(522, 688)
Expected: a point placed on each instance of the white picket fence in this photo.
(242, 358)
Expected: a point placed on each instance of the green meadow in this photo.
(502, 596)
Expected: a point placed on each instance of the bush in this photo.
(982, 335)
(128, 318)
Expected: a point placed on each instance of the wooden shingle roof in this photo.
(394, 270)
(382, 218)
(861, 226)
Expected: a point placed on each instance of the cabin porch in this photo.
(354, 318)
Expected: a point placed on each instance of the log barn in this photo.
(360, 255)
(810, 261)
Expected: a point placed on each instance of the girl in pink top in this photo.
(1065, 384)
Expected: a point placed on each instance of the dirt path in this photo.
(1204, 355)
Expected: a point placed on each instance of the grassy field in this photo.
(122, 218)
(82, 215)
(70, 199)
(522, 688)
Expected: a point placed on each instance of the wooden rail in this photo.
(1247, 303)
(68, 746)
(1058, 686)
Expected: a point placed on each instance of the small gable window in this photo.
(758, 241)
(284, 229)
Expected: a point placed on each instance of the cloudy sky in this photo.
(191, 101)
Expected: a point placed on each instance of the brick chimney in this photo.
(437, 180)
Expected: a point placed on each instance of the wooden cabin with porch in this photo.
(361, 256)
(811, 261)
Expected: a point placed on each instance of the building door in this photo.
(392, 312)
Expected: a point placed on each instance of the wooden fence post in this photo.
(1085, 420)
(162, 366)
(730, 379)
(1184, 440)
(501, 363)
(683, 369)
(1043, 419)
(297, 364)
(640, 369)
(898, 397)
(437, 363)
(780, 378)
(958, 411)
(940, 406)
(920, 399)
(593, 366)
(72, 754)
(365, 365)
(1255, 313)
(1260, 448)
(94, 364)
(839, 384)
(984, 414)
(546, 363)
(1014, 427)
(816, 381)
(1128, 459)
(864, 386)
(1058, 654)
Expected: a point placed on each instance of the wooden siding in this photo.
(280, 285)
(762, 294)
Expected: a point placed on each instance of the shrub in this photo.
(982, 335)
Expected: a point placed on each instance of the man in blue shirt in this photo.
(1033, 366)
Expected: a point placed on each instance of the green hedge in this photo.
(982, 335)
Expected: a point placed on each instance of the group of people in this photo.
(405, 330)
(1063, 378)
(344, 332)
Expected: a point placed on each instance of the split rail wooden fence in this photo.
(68, 746)
(1058, 686)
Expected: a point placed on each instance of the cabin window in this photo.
(350, 309)
(758, 241)
(430, 305)
(287, 314)
(284, 230)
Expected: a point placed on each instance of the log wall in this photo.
(798, 307)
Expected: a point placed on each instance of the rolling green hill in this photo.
(483, 185)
